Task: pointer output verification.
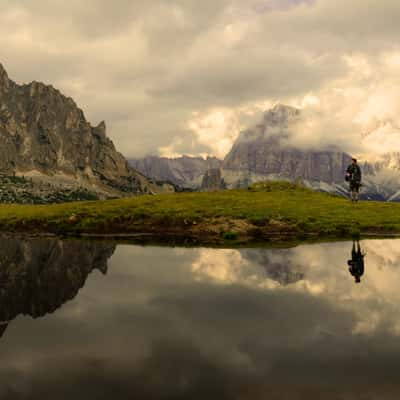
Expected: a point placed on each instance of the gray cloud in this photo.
(145, 67)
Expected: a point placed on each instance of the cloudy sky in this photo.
(184, 76)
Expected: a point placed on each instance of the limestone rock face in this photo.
(262, 151)
(43, 132)
(381, 177)
(184, 171)
(212, 180)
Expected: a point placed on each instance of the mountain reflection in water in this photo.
(168, 323)
(39, 276)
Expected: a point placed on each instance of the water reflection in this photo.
(356, 263)
(38, 276)
(208, 323)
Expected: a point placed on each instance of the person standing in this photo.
(353, 176)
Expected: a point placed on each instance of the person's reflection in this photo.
(356, 264)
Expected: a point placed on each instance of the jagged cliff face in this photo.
(386, 162)
(38, 276)
(183, 171)
(382, 177)
(262, 152)
(212, 180)
(43, 132)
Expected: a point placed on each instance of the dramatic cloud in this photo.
(158, 71)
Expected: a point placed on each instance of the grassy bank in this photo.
(266, 211)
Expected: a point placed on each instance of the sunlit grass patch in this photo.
(271, 205)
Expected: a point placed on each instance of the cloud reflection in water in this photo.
(210, 323)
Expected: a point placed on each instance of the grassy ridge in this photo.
(264, 210)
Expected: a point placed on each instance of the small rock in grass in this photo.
(73, 219)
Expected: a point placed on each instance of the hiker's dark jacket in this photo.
(355, 172)
(356, 265)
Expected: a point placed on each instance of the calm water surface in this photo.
(88, 320)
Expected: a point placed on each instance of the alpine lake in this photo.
(87, 319)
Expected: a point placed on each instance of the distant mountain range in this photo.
(262, 153)
(49, 152)
(184, 171)
(45, 137)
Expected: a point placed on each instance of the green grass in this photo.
(265, 208)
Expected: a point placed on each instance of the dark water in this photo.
(82, 320)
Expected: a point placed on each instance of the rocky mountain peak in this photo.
(100, 131)
(274, 126)
(43, 132)
(4, 80)
(3, 72)
(285, 110)
(260, 153)
(280, 116)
